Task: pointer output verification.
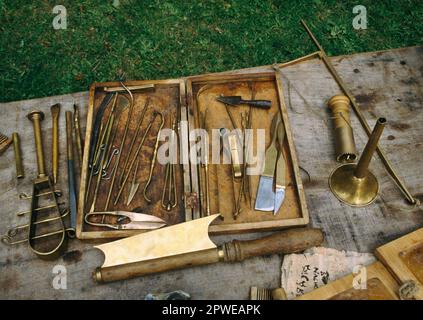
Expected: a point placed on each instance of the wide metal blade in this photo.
(279, 198)
(132, 192)
(265, 200)
(182, 238)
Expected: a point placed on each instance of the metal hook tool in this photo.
(125, 133)
(137, 151)
(140, 121)
(153, 160)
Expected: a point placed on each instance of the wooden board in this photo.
(224, 190)
(386, 83)
(404, 259)
(380, 286)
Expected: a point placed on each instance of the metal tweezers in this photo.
(137, 221)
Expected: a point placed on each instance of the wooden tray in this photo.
(168, 97)
(179, 98)
(201, 95)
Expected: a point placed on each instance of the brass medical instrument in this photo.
(71, 171)
(205, 162)
(55, 111)
(103, 158)
(18, 156)
(134, 184)
(135, 137)
(13, 232)
(126, 220)
(125, 133)
(130, 88)
(229, 113)
(131, 257)
(154, 157)
(5, 142)
(98, 120)
(360, 116)
(116, 110)
(42, 184)
(122, 103)
(113, 154)
(353, 183)
(78, 135)
(247, 152)
(101, 148)
(344, 138)
(169, 194)
(135, 157)
(242, 189)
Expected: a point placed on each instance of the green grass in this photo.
(165, 39)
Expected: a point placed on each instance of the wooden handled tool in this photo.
(137, 262)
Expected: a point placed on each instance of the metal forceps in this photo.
(169, 195)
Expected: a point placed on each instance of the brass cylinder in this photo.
(36, 117)
(18, 156)
(344, 138)
(363, 165)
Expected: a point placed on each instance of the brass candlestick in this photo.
(353, 183)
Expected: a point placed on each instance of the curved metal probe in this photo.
(140, 121)
(153, 161)
(96, 149)
(134, 158)
(125, 133)
(102, 161)
(120, 108)
(115, 152)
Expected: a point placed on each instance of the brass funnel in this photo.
(353, 183)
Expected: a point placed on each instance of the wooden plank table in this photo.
(387, 83)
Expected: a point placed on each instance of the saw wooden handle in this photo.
(289, 241)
